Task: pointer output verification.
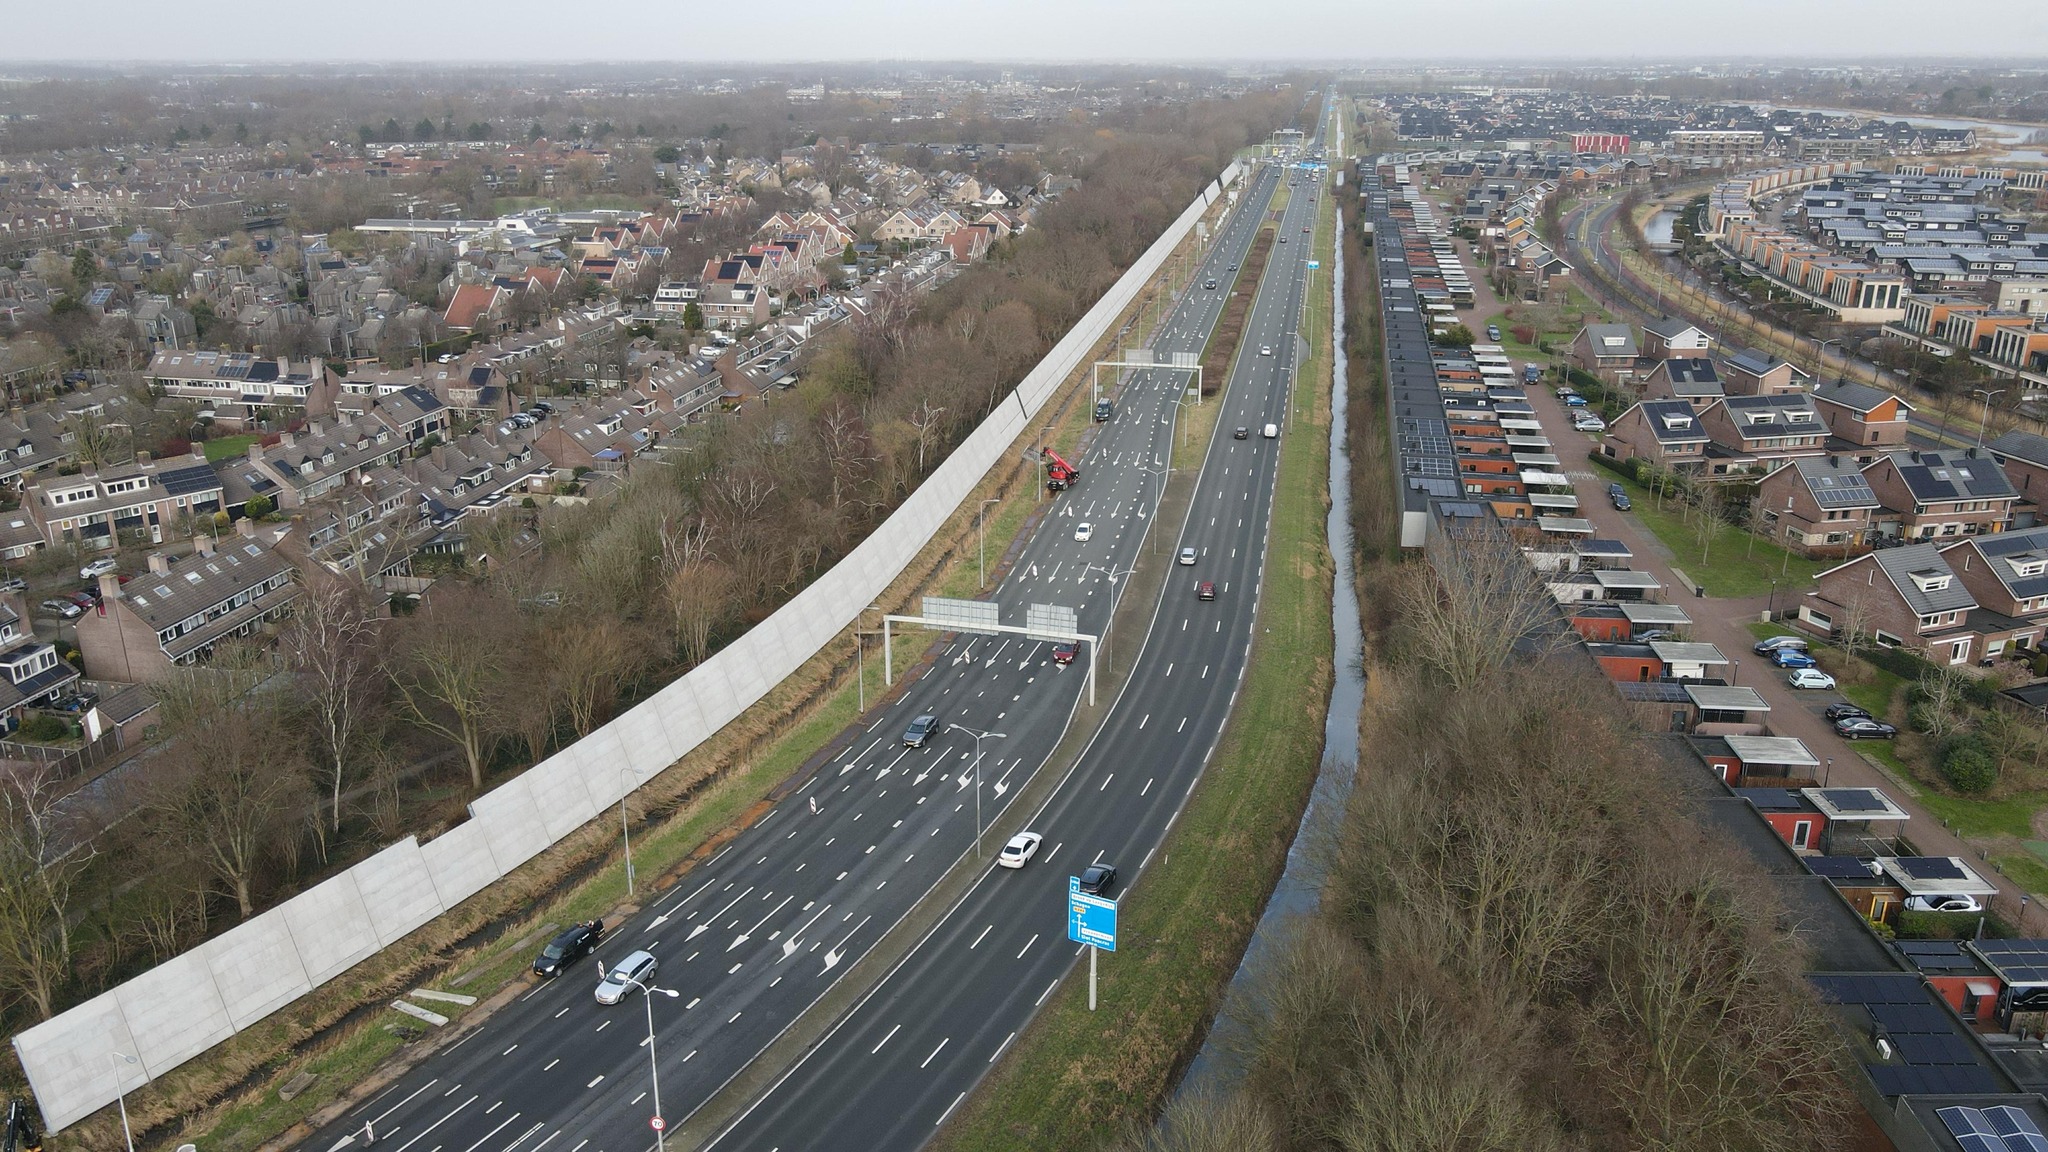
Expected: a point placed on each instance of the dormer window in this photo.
(2028, 564)
(1763, 417)
(1677, 423)
(1930, 579)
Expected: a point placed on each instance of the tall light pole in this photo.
(1112, 575)
(1158, 499)
(121, 1094)
(978, 738)
(1986, 394)
(860, 659)
(1821, 364)
(625, 832)
(647, 992)
(981, 549)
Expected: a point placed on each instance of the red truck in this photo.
(1058, 473)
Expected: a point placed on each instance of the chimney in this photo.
(255, 451)
(110, 587)
(246, 528)
(288, 439)
(159, 564)
(202, 545)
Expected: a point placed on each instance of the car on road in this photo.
(98, 568)
(1064, 653)
(1019, 851)
(1242, 433)
(631, 973)
(1206, 590)
(1233, 267)
(64, 608)
(1283, 239)
(1265, 349)
(1493, 332)
(1843, 710)
(920, 731)
(1270, 431)
(1210, 284)
(1938, 902)
(1792, 658)
(1098, 879)
(570, 946)
(1084, 531)
(1770, 644)
(1864, 728)
(1811, 678)
(1187, 556)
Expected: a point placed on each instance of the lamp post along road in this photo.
(1986, 394)
(978, 738)
(121, 1094)
(1112, 575)
(981, 547)
(647, 992)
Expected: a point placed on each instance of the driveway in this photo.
(1723, 623)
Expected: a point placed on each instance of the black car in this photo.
(1864, 728)
(1843, 710)
(920, 731)
(1241, 434)
(1098, 879)
(579, 941)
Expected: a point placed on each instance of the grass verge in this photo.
(229, 447)
(1075, 1078)
(1734, 568)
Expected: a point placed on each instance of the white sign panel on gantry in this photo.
(1053, 620)
(962, 615)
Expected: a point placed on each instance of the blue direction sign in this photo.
(1090, 919)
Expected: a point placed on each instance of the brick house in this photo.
(1863, 416)
(1761, 433)
(1606, 350)
(1692, 380)
(177, 610)
(1931, 495)
(1746, 373)
(1665, 432)
(2024, 458)
(1906, 597)
(2007, 574)
(1820, 503)
(1669, 337)
(140, 498)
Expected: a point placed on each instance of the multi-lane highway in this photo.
(757, 934)
(899, 1064)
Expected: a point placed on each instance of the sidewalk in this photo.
(1724, 624)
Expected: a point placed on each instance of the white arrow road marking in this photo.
(706, 926)
(835, 954)
(744, 936)
(795, 940)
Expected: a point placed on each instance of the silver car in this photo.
(632, 972)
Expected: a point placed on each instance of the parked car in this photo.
(98, 568)
(1187, 556)
(1792, 658)
(1493, 332)
(1655, 634)
(1587, 422)
(87, 598)
(17, 584)
(1770, 644)
(1935, 902)
(64, 608)
(570, 946)
(1019, 851)
(632, 972)
(1098, 879)
(1810, 678)
(920, 731)
(1063, 653)
(1575, 401)
(1618, 496)
(1843, 710)
(1206, 590)
(1084, 531)
(1864, 728)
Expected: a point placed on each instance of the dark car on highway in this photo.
(1206, 590)
(1098, 879)
(920, 731)
(569, 947)
(1864, 728)
(1843, 710)
(1063, 653)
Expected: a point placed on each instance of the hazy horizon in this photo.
(1194, 32)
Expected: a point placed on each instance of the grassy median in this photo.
(1076, 1078)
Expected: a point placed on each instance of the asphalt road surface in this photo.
(906, 1057)
(757, 934)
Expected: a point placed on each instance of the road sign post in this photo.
(1091, 921)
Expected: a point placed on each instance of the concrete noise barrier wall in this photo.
(186, 1005)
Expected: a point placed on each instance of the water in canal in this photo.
(1217, 1067)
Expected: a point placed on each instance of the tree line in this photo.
(275, 764)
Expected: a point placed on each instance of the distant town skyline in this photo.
(1193, 31)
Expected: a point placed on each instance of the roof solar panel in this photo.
(2017, 1128)
(1933, 1079)
(185, 481)
(1854, 799)
(1904, 1019)
(1930, 868)
(1919, 1049)
(1873, 988)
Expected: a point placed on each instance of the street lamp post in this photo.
(625, 832)
(1986, 394)
(121, 1094)
(981, 548)
(1158, 499)
(647, 992)
(1112, 575)
(1820, 364)
(978, 738)
(860, 646)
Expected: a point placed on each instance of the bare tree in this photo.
(1944, 709)
(595, 658)
(450, 670)
(39, 862)
(698, 597)
(1474, 604)
(1852, 623)
(331, 646)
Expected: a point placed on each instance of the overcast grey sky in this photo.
(1092, 30)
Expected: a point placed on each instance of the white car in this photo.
(1265, 349)
(1810, 678)
(1019, 851)
(1187, 556)
(632, 972)
(1084, 531)
(99, 568)
(1587, 422)
(1941, 903)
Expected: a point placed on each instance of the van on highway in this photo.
(1270, 431)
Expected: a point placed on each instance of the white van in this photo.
(1270, 432)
